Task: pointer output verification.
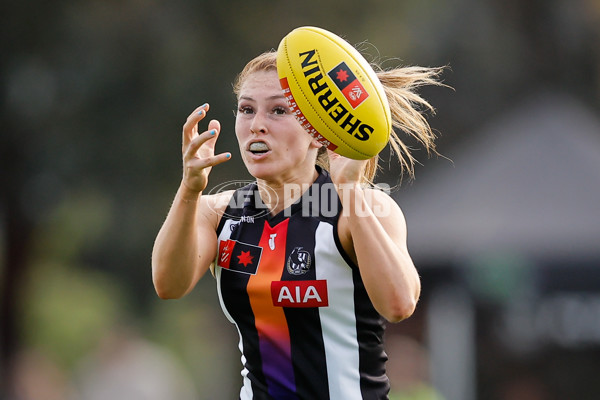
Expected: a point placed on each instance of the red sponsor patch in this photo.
(238, 256)
(355, 93)
(349, 85)
(225, 250)
(300, 294)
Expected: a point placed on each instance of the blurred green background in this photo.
(94, 94)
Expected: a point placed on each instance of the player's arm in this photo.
(186, 243)
(373, 232)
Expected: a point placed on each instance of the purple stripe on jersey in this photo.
(278, 370)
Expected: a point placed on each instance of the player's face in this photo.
(274, 146)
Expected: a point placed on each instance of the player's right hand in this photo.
(198, 149)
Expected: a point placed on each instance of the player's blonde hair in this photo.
(406, 107)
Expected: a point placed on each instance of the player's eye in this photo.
(279, 110)
(245, 110)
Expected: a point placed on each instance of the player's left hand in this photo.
(345, 170)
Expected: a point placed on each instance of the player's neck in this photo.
(279, 195)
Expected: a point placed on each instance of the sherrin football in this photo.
(333, 92)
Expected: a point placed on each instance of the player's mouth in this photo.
(258, 149)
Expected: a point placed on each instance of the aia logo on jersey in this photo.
(299, 294)
(298, 262)
(239, 256)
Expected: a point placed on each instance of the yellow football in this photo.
(333, 92)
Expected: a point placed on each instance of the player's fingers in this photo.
(206, 140)
(191, 150)
(213, 126)
(211, 161)
(190, 127)
(332, 155)
(218, 159)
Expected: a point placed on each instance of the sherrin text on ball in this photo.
(334, 93)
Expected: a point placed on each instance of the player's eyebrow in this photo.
(273, 97)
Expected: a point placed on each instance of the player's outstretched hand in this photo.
(198, 149)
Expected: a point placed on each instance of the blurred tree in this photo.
(24, 30)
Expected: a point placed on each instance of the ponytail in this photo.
(406, 107)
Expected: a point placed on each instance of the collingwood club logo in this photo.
(298, 262)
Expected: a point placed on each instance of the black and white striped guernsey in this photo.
(307, 327)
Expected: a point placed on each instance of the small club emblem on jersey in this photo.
(239, 256)
(298, 262)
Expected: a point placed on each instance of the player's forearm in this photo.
(175, 254)
(386, 267)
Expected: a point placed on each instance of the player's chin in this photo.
(261, 168)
